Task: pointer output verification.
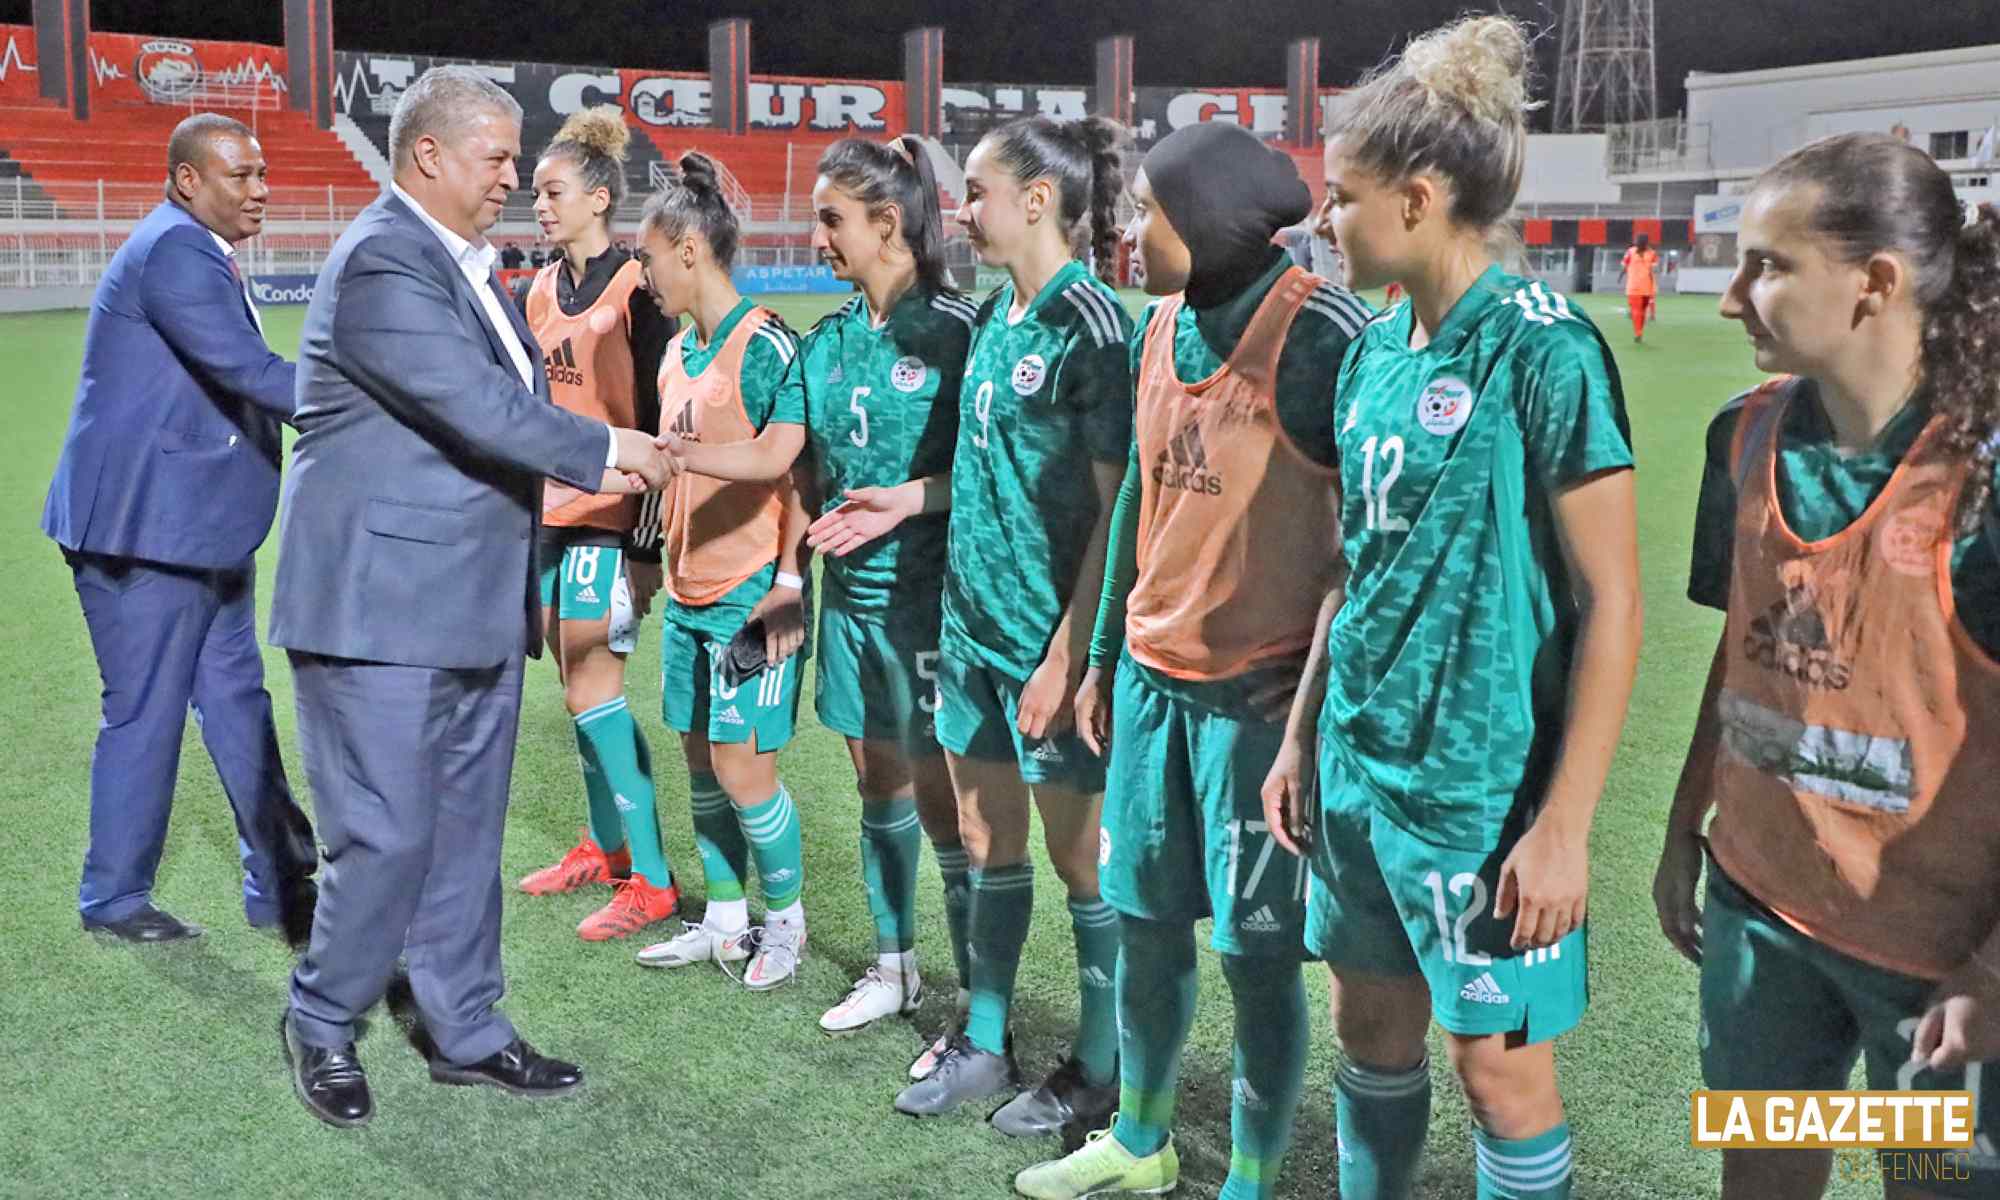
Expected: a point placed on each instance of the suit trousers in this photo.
(170, 639)
(409, 768)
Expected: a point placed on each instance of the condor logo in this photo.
(1183, 465)
(561, 364)
(1791, 639)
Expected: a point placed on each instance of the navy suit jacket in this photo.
(174, 441)
(410, 512)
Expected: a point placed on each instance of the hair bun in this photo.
(698, 172)
(1478, 65)
(599, 130)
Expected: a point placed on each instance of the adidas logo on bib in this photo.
(1484, 990)
(1261, 921)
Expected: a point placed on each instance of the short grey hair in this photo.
(440, 104)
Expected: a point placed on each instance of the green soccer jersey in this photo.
(1043, 397)
(1822, 491)
(1450, 658)
(769, 394)
(881, 408)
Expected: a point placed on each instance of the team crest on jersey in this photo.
(909, 373)
(1028, 375)
(1445, 405)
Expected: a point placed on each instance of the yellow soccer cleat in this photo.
(1101, 1167)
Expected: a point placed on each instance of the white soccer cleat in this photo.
(779, 950)
(698, 944)
(874, 996)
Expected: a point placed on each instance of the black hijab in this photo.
(1226, 194)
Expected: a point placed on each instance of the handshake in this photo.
(645, 463)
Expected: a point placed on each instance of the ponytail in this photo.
(594, 140)
(692, 200)
(1086, 160)
(880, 175)
(1961, 358)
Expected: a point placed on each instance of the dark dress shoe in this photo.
(517, 1069)
(148, 924)
(330, 1083)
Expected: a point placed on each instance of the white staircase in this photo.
(363, 150)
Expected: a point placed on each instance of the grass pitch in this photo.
(157, 1072)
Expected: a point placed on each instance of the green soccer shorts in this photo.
(978, 717)
(694, 698)
(1383, 899)
(1783, 1012)
(582, 578)
(878, 679)
(1184, 836)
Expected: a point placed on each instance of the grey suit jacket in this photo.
(410, 509)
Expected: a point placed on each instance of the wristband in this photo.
(786, 579)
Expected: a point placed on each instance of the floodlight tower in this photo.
(1606, 75)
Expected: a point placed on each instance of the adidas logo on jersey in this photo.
(1484, 990)
(1792, 640)
(683, 426)
(1183, 465)
(586, 595)
(560, 363)
(1095, 977)
(1261, 921)
(729, 716)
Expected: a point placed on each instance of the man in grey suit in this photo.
(406, 597)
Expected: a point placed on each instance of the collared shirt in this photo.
(475, 262)
(242, 281)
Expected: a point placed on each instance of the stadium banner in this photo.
(135, 68)
(758, 280)
(368, 84)
(282, 289)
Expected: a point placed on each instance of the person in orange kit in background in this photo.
(1642, 264)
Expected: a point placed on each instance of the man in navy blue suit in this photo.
(166, 486)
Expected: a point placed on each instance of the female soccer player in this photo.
(1485, 638)
(1044, 419)
(1642, 265)
(1222, 537)
(734, 555)
(1849, 735)
(880, 378)
(601, 337)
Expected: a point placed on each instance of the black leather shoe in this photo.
(147, 925)
(517, 1069)
(330, 1083)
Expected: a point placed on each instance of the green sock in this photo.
(1380, 1120)
(892, 841)
(952, 865)
(1156, 993)
(1003, 899)
(1095, 926)
(725, 856)
(605, 827)
(1535, 1168)
(1272, 1032)
(773, 830)
(615, 739)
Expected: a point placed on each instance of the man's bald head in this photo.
(193, 140)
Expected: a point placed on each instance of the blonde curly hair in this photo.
(1454, 103)
(594, 139)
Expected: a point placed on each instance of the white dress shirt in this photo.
(475, 262)
(242, 280)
